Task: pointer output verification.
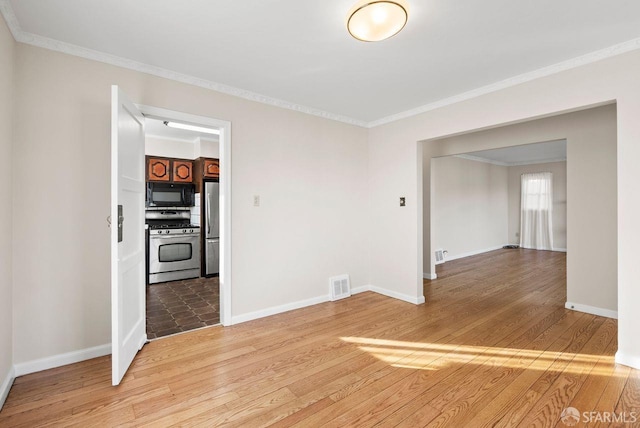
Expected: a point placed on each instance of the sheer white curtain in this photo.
(535, 211)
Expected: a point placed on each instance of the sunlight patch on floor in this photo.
(434, 356)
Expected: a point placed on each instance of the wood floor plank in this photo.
(493, 346)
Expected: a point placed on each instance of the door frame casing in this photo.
(225, 194)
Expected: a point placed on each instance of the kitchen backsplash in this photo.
(195, 210)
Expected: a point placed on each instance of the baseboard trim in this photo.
(560, 250)
(321, 299)
(250, 316)
(404, 297)
(6, 386)
(361, 289)
(592, 310)
(472, 253)
(627, 360)
(426, 275)
(59, 360)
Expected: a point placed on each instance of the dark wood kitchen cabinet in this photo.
(205, 169)
(182, 171)
(158, 169)
(211, 168)
(169, 170)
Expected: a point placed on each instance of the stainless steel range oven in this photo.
(174, 246)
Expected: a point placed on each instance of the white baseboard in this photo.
(54, 361)
(404, 297)
(278, 309)
(592, 310)
(384, 292)
(6, 386)
(360, 289)
(426, 275)
(321, 299)
(560, 250)
(472, 253)
(47, 363)
(628, 360)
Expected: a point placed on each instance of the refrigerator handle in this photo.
(208, 213)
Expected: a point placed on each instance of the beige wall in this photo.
(311, 175)
(559, 187)
(469, 206)
(7, 47)
(395, 168)
(302, 166)
(591, 176)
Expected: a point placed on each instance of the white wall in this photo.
(395, 168)
(476, 205)
(311, 175)
(158, 146)
(207, 149)
(7, 47)
(559, 189)
(469, 206)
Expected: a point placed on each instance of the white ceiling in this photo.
(157, 128)
(298, 54)
(550, 151)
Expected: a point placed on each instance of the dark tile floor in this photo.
(173, 307)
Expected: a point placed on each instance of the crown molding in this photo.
(479, 159)
(55, 45)
(541, 161)
(11, 19)
(499, 163)
(591, 57)
(70, 49)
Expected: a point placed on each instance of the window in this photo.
(536, 205)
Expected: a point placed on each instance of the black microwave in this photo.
(170, 194)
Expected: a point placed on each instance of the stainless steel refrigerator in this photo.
(212, 228)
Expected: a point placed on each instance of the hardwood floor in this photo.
(493, 346)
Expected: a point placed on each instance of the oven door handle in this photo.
(172, 236)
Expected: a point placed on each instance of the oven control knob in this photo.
(191, 231)
(159, 231)
(166, 231)
(184, 230)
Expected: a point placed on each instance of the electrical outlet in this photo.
(256, 200)
(403, 202)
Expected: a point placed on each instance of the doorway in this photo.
(476, 198)
(591, 207)
(199, 298)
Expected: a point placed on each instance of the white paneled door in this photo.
(128, 329)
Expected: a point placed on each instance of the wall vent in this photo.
(439, 257)
(340, 287)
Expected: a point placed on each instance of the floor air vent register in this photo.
(340, 287)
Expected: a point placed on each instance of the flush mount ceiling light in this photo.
(188, 127)
(372, 21)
